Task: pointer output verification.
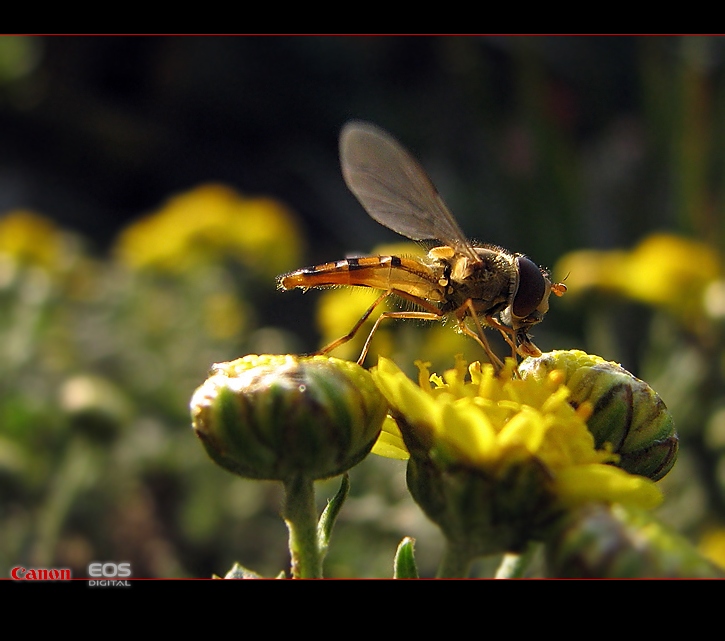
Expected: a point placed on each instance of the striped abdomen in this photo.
(380, 272)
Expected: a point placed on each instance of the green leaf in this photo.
(329, 515)
(404, 565)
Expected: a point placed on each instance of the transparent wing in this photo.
(394, 189)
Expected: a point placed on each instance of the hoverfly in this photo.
(486, 283)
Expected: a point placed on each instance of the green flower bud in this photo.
(279, 417)
(627, 412)
(613, 541)
(484, 511)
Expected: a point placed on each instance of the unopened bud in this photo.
(613, 541)
(278, 417)
(484, 511)
(626, 411)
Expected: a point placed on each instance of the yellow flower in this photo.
(493, 459)
(664, 270)
(30, 238)
(490, 421)
(209, 223)
(712, 546)
(224, 315)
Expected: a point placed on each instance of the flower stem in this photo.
(456, 562)
(75, 472)
(301, 519)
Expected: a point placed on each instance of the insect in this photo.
(457, 279)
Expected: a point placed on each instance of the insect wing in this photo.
(394, 189)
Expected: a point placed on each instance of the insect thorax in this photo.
(489, 283)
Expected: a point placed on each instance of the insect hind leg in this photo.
(351, 334)
(399, 315)
(432, 313)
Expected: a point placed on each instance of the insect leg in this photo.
(432, 313)
(519, 341)
(419, 315)
(343, 339)
(508, 334)
(478, 335)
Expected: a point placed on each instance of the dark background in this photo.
(541, 144)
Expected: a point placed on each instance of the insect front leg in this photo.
(509, 335)
(519, 341)
(478, 335)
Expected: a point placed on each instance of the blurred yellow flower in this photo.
(224, 315)
(664, 270)
(209, 223)
(337, 312)
(712, 546)
(30, 238)
(490, 423)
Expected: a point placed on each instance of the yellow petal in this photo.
(405, 396)
(469, 431)
(596, 482)
(525, 429)
(390, 442)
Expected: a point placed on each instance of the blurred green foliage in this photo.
(544, 145)
(100, 358)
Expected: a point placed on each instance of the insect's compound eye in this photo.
(532, 288)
